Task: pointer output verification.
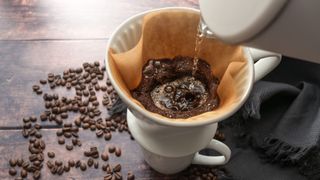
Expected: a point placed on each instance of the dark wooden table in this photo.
(38, 37)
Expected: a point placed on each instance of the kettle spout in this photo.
(204, 30)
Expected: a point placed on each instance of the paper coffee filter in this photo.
(166, 34)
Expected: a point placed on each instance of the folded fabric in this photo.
(276, 133)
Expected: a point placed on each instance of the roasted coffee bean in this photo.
(130, 176)
(27, 125)
(35, 87)
(117, 168)
(33, 118)
(13, 162)
(58, 120)
(99, 133)
(37, 163)
(23, 173)
(40, 157)
(95, 103)
(107, 136)
(69, 147)
(112, 149)
(67, 134)
(43, 117)
(42, 144)
(66, 168)
(12, 171)
(64, 115)
(39, 91)
(25, 164)
(53, 170)
(38, 135)
(32, 132)
(20, 162)
(33, 157)
(71, 163)
(74, 141)
(108, 177)
(25, 133)
(77, 122)
(51, 154)
(58, 163)
(60, 170)
(61, 140)
(74, 134)
(59, 132)
(83, 166)
(104, 167)
(105, 156)
(49, 164)
(93, 127)
(118, 152)
(96, 164)
(36, 175)
(26, 119)
(117, 175)
(43, 81)
(90, 162)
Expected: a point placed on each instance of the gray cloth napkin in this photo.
(275, 135)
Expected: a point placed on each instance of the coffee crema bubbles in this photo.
(170, 88)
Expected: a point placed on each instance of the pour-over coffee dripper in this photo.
(165, 141)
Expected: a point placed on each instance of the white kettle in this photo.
(290, 27)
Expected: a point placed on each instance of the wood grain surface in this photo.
(39, 37)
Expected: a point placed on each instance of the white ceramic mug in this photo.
(170, 146)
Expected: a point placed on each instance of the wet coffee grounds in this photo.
(169, 88)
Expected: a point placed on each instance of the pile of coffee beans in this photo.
(86, 83)
(83, 83)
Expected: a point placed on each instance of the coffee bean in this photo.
(25, 133)
(118, 152)
(71, 163)
(58, 163)
(107, 136)
(43, 117)
(104, 167)
(61, 140)
(117, 176)
(36, 175)
(37, 126)
(107, 177)
(66, 168)
(51, 154)
(69, 147)
(27, 125)
(117, 168)
(93, 127)
(35, 87)
(112, 149)
(58, 120)
(90, 162)
(42, 144)
(33, 118)
(130, 176)
(43, 81)
(12, 171)
(37, 163)
(38, 135)
(20, 162)
(39, 91)
(105, 156)
(33, 157)
(59, 132)
(53, 170)
(13, 162)
(64, 115)
(60, 170)
(83, 166)
(96, 164)
(99, 133)
(25, 164)
(23, 173)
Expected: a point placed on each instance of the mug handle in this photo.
(265, 62)
(213, 160)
